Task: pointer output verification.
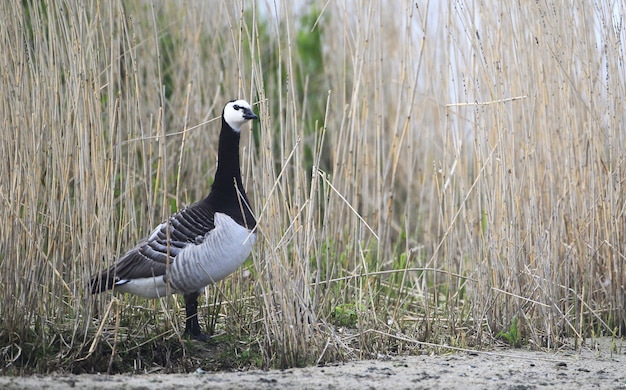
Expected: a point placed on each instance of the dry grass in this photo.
(435, 171)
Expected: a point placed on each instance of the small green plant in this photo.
(345, 315)
(513, 336)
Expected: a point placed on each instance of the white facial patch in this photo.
(235, 118)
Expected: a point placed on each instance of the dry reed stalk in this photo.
(440, 169)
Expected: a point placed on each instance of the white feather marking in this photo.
(156, 231)
(144, 287)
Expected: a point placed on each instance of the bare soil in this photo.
(601, 367)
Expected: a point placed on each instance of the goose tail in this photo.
(102, 282)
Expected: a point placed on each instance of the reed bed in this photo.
(427, 176)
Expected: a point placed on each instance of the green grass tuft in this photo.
(513, 335)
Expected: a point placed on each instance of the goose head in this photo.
(236, 113)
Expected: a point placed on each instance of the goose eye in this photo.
(237, 107)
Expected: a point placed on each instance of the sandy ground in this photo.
(510, 369)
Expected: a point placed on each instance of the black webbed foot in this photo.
(197, 336)
(192, 327)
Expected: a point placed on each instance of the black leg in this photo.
(192, 327)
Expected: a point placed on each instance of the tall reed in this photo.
(422, 173)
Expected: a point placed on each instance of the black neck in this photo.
(223, 196)
(228, 168)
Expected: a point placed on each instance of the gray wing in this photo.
(151, 256)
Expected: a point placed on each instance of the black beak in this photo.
(248, 114)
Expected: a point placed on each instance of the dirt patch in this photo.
(601, 367)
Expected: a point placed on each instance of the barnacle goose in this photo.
(200, 244)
